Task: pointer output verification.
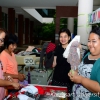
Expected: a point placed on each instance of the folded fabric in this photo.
(50, 47)
(40, 90)
(35, 50)
(30, 48)
(23, 53)
(24, 97)
(66, 52)
(31, 89)
(26, 93)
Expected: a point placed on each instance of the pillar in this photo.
(27, 31)
(20, 29)
(57, 30)
(63, 12)
(84, 8)
(31, 31)
(70, 24)
(11, 20)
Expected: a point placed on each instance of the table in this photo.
(54, 91)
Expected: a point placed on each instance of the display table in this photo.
(58, 91)
(40, 92)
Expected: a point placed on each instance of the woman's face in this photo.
(94, 44)
(2, 36)
(12, 47)
(64, 38)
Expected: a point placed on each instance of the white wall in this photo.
(33, 13)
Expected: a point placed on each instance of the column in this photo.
(57, 30)
(61, 12)
(27, 31)
(31, 31)
(70, 24)
(20, 29)
(0, 17)
(11, 20)
(84, 8)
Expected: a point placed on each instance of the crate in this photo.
(39, 76)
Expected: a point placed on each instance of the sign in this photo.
(28, 61)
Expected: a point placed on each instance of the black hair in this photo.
(10, 39)
(67, 31)
(96, 30)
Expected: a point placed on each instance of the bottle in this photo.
(29, 77)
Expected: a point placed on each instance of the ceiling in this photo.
(39, 4)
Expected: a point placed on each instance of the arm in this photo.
(5, 62)
(91, 85)
(54, 61)
(12, 75)
(4, 83)
(20, 77)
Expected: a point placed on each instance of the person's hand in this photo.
(24, 76)
(73, 72)
(21, 77)
(74, 77)
(16, 85)
(9, 78)
(80, 46)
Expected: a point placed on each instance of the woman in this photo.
(4, 83)
(87, 80)
(62, 67)
(8, 59)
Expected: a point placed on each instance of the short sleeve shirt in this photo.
(9, 63)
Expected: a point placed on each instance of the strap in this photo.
(42, 54)
(85, 55)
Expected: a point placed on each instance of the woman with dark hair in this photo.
(4, 83)
(87, 79)
(62, 67)
(8, 58)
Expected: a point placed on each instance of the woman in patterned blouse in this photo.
(87, 78)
